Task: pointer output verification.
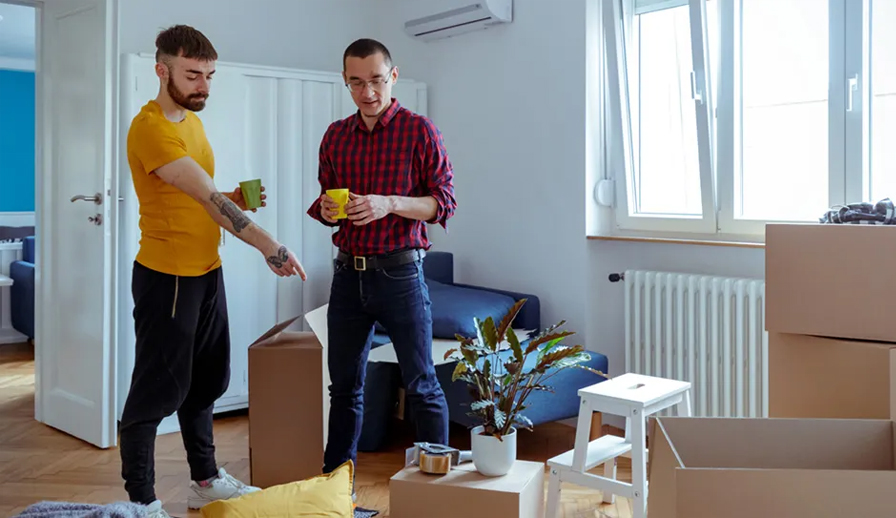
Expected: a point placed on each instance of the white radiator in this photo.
(703, 329)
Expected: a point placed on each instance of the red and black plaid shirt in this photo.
(404, 155)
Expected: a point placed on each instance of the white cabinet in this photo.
(262, 123)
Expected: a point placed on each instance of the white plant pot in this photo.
(491, 457)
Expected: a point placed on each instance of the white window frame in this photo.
(849, 117)
(618, 17)
(729, 118)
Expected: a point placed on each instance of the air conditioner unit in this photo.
(460, 16)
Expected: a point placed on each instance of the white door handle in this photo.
(96, 198)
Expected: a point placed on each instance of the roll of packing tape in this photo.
(435, 463)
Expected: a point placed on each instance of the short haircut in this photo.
(185, 41)
(365, 47)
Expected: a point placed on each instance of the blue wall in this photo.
(16, 141)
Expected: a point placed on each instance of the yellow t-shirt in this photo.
(178, 237)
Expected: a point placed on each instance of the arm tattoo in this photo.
(280, 259)
(230, 211)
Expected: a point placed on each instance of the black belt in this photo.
(379, 262)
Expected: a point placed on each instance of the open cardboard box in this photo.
(288, 401)
(745, 467)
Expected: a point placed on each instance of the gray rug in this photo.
(75, 510)
(360, 512)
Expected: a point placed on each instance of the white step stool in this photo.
(631, 395)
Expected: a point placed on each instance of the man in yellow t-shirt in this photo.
(182, 359)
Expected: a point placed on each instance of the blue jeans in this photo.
(399, 299)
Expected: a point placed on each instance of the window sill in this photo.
(697, 240)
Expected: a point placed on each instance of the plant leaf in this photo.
(459, 370)
(524, 421)
(500, 418)
(549, 330)
(570, 360)
(481, 404)
(469, 355)
(594, 371)
(533, 345)
(551, 359)
(490, 334)
(515, 346)
(512, 367)
(449, 352)
(479, 333)
(547, 348)
(504, 325)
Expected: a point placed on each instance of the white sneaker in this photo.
(223, 487)
(154, 510)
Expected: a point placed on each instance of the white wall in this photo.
(309, 34)
(512, 104)
(520, 222)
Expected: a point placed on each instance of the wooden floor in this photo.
(39, 463)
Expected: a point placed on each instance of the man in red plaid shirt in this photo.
(394, 164)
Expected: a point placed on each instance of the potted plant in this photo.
(500, 384)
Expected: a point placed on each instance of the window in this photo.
(728, 114)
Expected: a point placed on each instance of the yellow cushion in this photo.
(323, 496)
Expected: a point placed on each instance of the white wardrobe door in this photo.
(241, 127)
(290, 192)
(319, 108)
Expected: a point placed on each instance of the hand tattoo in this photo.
(280, 259)
(230, 211)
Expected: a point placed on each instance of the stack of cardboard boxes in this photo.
(831, 320)
(829, 449)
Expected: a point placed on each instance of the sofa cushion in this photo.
(454, 307)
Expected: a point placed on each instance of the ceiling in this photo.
(17, 31)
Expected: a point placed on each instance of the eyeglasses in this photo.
(358, 85)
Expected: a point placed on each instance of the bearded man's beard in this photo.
(192, 102)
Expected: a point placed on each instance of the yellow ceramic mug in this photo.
(340, 196)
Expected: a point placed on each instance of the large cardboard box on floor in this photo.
(831, 280)
(819, 377)
(286, 413)
(464, 492)
(747, 467)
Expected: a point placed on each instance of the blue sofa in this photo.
(21, 293)
(453, 306)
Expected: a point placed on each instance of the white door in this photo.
(76, 239)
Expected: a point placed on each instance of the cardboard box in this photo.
(816, 377)
(463, 492)
(286, 415)
(745, 467)
(830, 280)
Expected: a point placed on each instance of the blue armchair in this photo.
(22, 291)
(453, 306)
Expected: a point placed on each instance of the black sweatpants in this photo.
(182, 365)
